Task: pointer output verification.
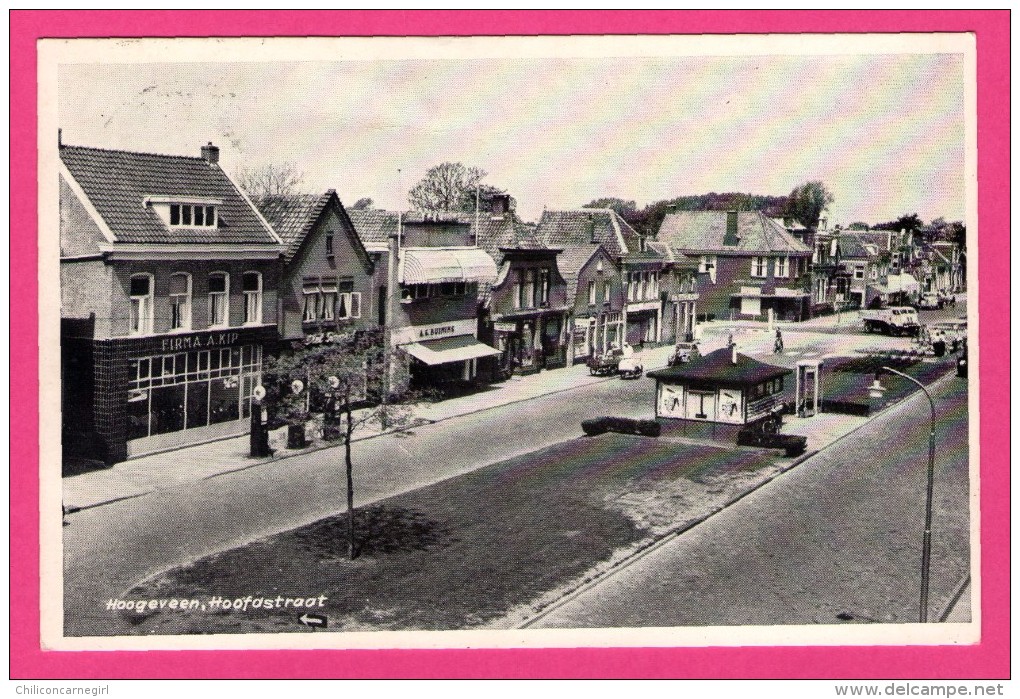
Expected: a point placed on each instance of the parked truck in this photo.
(895, 320)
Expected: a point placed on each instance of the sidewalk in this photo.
(171, 469)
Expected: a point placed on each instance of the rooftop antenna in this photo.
(478, 190)
(400, 210)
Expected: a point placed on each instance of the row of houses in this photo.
(175, 286)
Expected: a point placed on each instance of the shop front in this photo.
(162, 392)
(644, 323)
(529, 344)
(442, 353)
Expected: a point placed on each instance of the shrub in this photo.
(621, 425)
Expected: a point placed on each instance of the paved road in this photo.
(108, 549)
(839, 534)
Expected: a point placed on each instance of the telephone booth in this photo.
(809, 387)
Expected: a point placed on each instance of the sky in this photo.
(885, 133)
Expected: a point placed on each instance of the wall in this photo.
(503, 295)
(86, 288)
(589, 273)
(199, 269)
(79, 234)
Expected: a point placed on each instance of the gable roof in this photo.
(374, 225)
(294, 216)
(853, 246)
(572, 260)
(116, 184)
(587, 227)
(718, 367)
(705, 231)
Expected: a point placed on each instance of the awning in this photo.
(437, 265)
(902, 282)
(449, 349)
(881, 289)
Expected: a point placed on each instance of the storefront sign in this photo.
(173, 344)
(505, 327)
(329, 338)
(433, 331)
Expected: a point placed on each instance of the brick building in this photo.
(613, 277)
(169, 280)
(523, 313)
(748, 265)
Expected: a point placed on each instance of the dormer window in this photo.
(193, 215)
(186, 212)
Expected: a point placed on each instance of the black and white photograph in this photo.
(508, 341)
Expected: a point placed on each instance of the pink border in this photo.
(989, 659)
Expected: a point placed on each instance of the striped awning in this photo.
(436, 265)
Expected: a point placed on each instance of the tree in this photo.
(347, 380)
(271, 180)
(907, 222)
(858, 226)
(808, 201)
(625, 208)
(363, 203)
(446, 187)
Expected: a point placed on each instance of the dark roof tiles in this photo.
(705, 231)
(117, 183)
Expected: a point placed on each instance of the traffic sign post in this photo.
(258, 440)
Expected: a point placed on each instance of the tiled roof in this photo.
(570, 262)
(117, 182)
(719, 367)
(851, 245)
(374, 225)
(292, 216)
(695, 231)
(505, 231)
(586, 226)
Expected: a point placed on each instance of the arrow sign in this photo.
(313, 620)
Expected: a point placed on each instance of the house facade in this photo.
(428, 280)
(613, 279)
(169, 281)
(748, 265)
(524, 312)
(327, 288)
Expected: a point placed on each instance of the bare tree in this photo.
(270, 180)
(446, 187)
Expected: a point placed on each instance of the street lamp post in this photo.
(876, 391)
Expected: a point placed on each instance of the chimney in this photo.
(731, 237)
(733, 349)
(60, 138)
(210, 154)
(500, 204)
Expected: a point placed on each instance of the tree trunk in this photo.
(351, 550)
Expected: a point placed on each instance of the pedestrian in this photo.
(779, 341)
(730, 342)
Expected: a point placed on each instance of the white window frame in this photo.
(312, 302)
(759, 267)
(859, 271)
(352, 305)
(190, 208)
(185, 303)
(225, 295)
(607, 289)
(529, 289)
(141, 317)
(591, 293)
(519, 290)
(707, 264)
(783, 267)
(252, 298)
(873, 271)
(543, 292)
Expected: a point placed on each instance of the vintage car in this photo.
(930, 301)
(684, 352)
(605, 363)
(631, 367)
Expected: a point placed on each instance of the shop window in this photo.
(219, 299)
(251, 284)
(180, 301)
(141, 304)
